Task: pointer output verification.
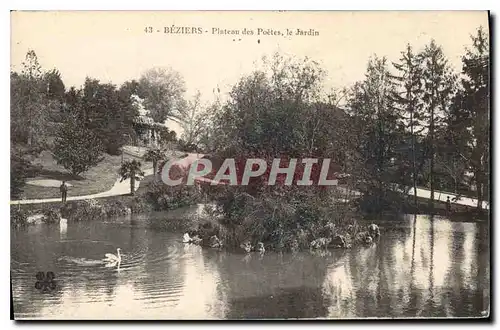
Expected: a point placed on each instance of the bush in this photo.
(164, 197)
(51, 215)
(19, 171)
(139, 205)
(286, 221)
(18, 218)
(85, 210)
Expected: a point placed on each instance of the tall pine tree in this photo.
(438, 90)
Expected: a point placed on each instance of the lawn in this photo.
(97, 179)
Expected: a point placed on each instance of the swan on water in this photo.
(114, 258)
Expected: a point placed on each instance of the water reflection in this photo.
(422, 266)
(430, 271)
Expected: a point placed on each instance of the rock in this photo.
(35, 219)
(260, 247)
(246, 246)
(361, 236)
(338, 242)
(320, 243)
(196, 240)
(374, 230)
(293, 245)
(215, 242)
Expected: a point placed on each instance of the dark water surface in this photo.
(419, 268)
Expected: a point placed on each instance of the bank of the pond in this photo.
(241, 222)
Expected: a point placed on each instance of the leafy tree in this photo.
(438, 90)
(163, 91)
(29, 108)
(192, 119)
(273, 111)
(19, 167)
(108, 113)
(55, 89)
(375, 122)
(131, 170)
(76, 147)
(469, 122)
(154, 155)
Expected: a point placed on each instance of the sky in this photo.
(116, 46)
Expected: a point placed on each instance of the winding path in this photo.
(119, 188)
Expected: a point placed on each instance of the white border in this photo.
(192, 5)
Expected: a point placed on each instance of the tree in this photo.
(273, 111)
(19, 167)
(154, 155)
(108, 113)
(131, 170)
(470, 113)
(163, 91)
(55, 89)
(192, 119)
(76, 147)
(437, 93)
(29, 106)
(375, 122)
(408, 101)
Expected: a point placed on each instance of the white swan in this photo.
(110, 257)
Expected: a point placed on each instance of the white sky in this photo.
(113, 47)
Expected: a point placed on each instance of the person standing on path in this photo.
(64, 191)
(448, 205)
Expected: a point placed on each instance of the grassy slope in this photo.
(97, 179)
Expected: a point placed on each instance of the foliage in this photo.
(154, 155)
(19, 170)
(108, 113)
(131, 170)
(163, 91)
(378, 135)
(51, 216)
(193, 121)
(469, 122)
(55, 89)
(18, 218)
(84, 210)
(30, 107)
(165, 197)
(438, 90)
(282, 222)
(76, 147)
(407, 97)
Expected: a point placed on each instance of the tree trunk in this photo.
(431, 138)
(479, 188)
(132, 184)
(155, 170)
(413, 161)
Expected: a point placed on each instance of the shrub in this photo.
(51, 216)
(18, 218)
(164, 197)
(139, 205)
(85, 210)
(282, 221)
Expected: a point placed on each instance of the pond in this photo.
(421, 267)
